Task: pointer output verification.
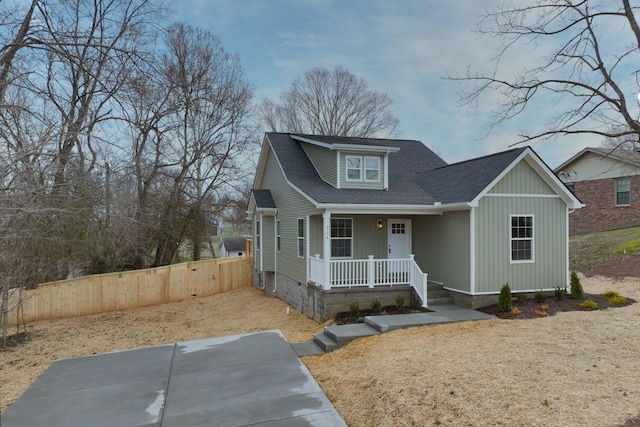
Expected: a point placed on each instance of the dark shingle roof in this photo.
(462, 182)
(263, 198)
(417, 176)
(234, 243)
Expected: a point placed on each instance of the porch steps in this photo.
(338, 336)
(437, 294)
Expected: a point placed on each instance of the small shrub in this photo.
(617, 300)
(544, 307)
(504, 300)
(384, 313)
(354, 309)
(360, 320)
(400, 302)
(541, 313)
(577, 292)
(376, 306)
(521, 297)
(515, 311)
(540, 297)
(560, 293)
(589, 305)
(611, 294)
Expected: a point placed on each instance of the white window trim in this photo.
(532, 239)
(615, 192)
(299, 238)
(364, 165)
(278, 240)
(347, 168)
(342, 238)
(258, 235)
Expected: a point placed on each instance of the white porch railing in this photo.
(370, 272)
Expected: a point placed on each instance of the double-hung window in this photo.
(521, 238)
(354, 168)
(341, 237)
(300, 237)
(623, 189)
(372, 169)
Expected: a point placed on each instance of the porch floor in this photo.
(337, 336)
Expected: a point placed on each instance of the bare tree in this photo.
(588, 74)
(330, 103)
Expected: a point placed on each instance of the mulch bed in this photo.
(345, 317)
(532, 309)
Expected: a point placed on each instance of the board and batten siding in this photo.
(367, 239)
(291, 205)
(324, 160)
(441, 246)
(520, 192)
(593, 166)
(379, 185)
(522, 179)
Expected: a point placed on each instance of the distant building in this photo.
(232, 246)
(608, 182)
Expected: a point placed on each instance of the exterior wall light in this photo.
(379, 224)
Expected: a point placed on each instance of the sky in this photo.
(401, 48)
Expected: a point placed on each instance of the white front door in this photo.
(399, 238)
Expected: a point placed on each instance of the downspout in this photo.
(264, 283)
(472, 251)
(566, 226)
(275, 253)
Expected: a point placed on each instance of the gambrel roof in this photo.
(417, 176)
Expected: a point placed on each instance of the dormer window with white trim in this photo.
(372, 169)
(354, 168)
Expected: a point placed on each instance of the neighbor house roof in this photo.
(625, 156)
(234, 243)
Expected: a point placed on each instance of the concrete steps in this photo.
(437, 295)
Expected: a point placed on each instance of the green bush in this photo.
(521, 297)
(504, 300)
(617, 300)
(577, 291)
(589, 305)
(560, 293)
(611, 294)
(376, 306)
(540, 296)
(354, 309)
(360, 320)
(400, 302)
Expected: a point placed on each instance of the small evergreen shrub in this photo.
(577, 292)
(376, 306)
(400, 302)
(504, 300)
(560, 293)
(589, 305)
(540, 297)
(521, 297)
(611, 294)
(617, 300)
(354, 309)
(360, 320)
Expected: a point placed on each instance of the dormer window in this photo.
(354, 168)
(361, 168)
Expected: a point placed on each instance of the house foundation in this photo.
(321, 305)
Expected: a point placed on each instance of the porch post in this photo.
(371, 272)
(326, 248)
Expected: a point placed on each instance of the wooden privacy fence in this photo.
(131, 289)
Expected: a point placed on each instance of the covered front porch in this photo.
(356, 250)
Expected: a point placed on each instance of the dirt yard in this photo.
(574, 368)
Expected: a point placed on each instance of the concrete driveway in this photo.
(241, 380)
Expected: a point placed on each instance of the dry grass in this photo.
(575, 368)
(578, 368)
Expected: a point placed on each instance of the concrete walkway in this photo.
(335, 337)
(241, 380)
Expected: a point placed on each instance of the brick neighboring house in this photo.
(608, 182)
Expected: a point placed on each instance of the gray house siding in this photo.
(441, 246)
(324, 161)
(291, 206)
(267, 242)
(521, 192)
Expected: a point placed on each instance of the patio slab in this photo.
(230, 381)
